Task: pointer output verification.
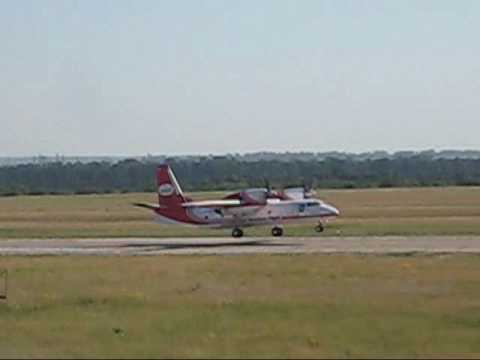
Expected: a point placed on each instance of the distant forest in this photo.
(228, 173)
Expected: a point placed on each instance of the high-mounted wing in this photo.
(212, 204)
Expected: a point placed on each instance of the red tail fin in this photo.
(169, 192)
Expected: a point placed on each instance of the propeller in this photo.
(309, 189)
(270, 192)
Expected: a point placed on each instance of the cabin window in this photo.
(301, 208)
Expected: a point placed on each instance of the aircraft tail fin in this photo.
(170, 194)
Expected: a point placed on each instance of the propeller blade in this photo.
(267, 186)
(267, 183)
(309, 190)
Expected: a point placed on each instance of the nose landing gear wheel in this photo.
(319, 228)
(237, 233)
(277, 231)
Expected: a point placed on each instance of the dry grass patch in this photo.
(248, 306)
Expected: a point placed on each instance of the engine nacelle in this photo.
(297, 193)
(254, 196)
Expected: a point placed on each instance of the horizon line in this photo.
(390, 152)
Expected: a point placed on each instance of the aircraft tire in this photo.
(319, 228)
(237, 233)
(277, 231)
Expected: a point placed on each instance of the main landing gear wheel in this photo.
(319, 228)
(237, 233)
(277, 231)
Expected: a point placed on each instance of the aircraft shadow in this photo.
(195, 245)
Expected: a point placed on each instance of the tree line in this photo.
(224, 173)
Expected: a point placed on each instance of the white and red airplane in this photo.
(258, 206)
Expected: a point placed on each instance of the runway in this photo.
(229, 246)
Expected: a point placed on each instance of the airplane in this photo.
(251, 207)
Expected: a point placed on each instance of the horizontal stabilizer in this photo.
(146, 206)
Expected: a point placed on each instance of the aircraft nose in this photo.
(333, 211)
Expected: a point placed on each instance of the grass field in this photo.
(249, 306)
(364, 212)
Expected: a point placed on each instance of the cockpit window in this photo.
(312, 204)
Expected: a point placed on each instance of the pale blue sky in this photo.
(183, 77)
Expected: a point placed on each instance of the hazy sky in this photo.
(178, 77)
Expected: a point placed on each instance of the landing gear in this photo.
(237, 232)
(319, 228)
(277, 231)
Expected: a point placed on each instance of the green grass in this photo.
(418, 211)
(248, 306)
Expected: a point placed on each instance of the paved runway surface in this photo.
(230, 246)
